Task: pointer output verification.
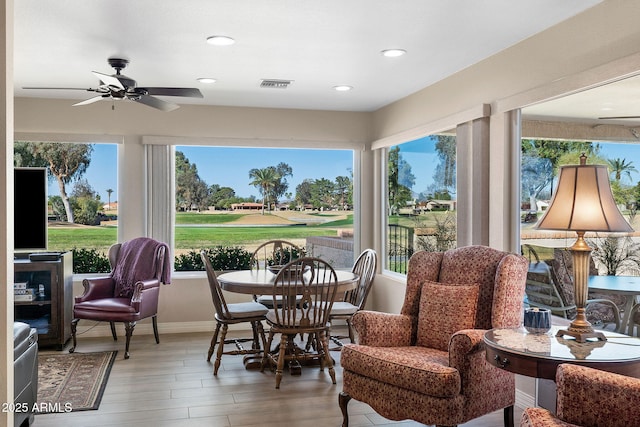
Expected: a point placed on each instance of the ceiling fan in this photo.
(618, 117)
(119, 86)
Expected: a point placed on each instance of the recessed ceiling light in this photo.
(206, 80)
(343, 88)
(393, 53)
(220, 40)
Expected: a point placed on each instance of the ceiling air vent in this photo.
(275, 84)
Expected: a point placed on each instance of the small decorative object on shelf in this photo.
(537, 320)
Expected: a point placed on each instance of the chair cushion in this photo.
(111, 305)
(267, 300)
(444, 310)
(240, 310)
(341, 308)
(421, 369)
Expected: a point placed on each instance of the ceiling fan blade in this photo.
(156, 103)
(109, 80)
(172, 91)
(619, 117)
(90, 100)
(58, 88)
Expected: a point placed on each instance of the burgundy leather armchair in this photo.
(130, 292)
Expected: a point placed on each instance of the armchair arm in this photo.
(462, 344)
(540, 417)
(588, 396)
(96, 288)
(139, 289)
(383, 329)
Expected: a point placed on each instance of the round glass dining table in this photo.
(260, 282)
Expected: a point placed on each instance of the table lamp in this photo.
(583, 202)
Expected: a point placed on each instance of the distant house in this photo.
(449, 205)
(246, 206)
(113, 206)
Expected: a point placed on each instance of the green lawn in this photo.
(196, 236)
(63, 238)
(198, 218)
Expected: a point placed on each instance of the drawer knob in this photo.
(502, 363)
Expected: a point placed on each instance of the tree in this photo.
(191, 191)
(85, 203)
(265, 180)
(557, 152)
(344, 188)
(401, 179)
(66, 162)
(444, 177)
(281, 185)
(537, 174)
(322, 192)
(109, 191)
(620, 166)
(222, 197)
(303, 193)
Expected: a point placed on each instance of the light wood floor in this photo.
(171, 384)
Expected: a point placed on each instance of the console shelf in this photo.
(50, 312)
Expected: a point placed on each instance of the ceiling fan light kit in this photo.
(118, 86)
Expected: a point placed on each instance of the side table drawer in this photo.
(511, 363)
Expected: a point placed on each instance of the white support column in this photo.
(472, 148)
(6, 206)
(160, 193)
(131, 189)
(504, 181)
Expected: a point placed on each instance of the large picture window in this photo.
(421, 198)
(541, 162)
(82, 198)
(229, 200)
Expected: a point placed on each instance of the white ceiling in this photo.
(619, 99)
(317, 44)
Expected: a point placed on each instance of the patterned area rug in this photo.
(69, 382)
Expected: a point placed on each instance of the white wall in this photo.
(6, 206)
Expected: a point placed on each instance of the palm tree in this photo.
(265, 179)
(109, 191)
(619, 166)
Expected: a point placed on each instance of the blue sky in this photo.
(226, 166)
(229, 167)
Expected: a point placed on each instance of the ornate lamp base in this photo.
(581, 336)
(581, 328)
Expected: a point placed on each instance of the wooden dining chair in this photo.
(273, 254)
(229, 314)
(314, 282)
(356, 298)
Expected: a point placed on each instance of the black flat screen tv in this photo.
(30, 209)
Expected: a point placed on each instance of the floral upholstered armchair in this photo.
(428, 363)
(589, 397)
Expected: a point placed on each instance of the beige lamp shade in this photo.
(583, 202)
